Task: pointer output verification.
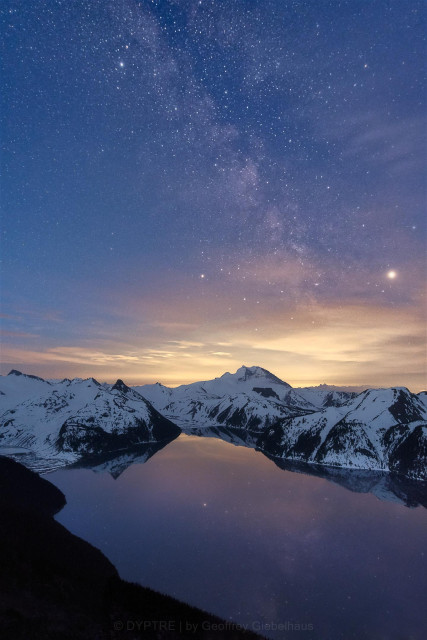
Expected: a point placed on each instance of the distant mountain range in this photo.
(69, 420)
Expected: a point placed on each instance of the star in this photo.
(391, 275)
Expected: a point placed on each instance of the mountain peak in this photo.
(98, 384)
(246, 373)
(15, 372)
(121, 386)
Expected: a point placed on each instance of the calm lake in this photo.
(223, 528)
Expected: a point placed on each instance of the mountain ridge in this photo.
(377, 429)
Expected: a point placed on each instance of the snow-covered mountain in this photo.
(245, 398)
(74, 418)
(378, 429)
(252, 398)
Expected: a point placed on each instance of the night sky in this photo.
(189, 186)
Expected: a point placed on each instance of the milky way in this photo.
(186, 181)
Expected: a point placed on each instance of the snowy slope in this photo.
(378, 429)
(325, 395)
(76, 417)
(17, 387)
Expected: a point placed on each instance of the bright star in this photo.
(121, 64)
(391, 275)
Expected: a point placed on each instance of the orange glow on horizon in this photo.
(352, 345)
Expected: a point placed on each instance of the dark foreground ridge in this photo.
(55, 586)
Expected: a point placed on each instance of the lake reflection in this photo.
(224, 528)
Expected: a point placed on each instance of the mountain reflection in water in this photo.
(229, 530)
(385, 486)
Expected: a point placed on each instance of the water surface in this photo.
(224, 528)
